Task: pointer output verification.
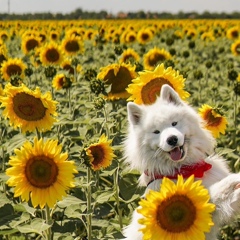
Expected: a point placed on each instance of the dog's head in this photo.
(165, 135)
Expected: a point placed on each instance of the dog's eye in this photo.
(156, 132)
(174, 124)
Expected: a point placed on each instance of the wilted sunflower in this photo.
(129, 55)
(154, 57)
(235, 48)
(119, 76)
(51, 54)
(29, 43)
(27, 109)
(72, 45)
(12, 67)
(146, 88)
(40, 172)
(144, 35)
(177, 211)
(100, 154)
(215, 122)
(61, 81)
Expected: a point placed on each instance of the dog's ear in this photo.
(168, 94)
(134, 113)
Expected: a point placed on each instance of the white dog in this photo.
(164, 138)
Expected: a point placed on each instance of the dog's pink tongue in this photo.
(176, 154)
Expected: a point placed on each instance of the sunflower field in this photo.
(64, 87)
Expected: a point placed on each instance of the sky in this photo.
(115, 6)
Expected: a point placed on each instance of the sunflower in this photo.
(144, 35)
(29, 43)
(40, 172)
(27, 109)
(119, 76)
(12, 67)
(154, 57)
(50, 54)
(235, 48)
(67, 65)
(72, 45)
(130, 36)
(3, 55)
(145, 88)
(61, 81)
(100, 154)
(178, 211)
(215, 122)
(233, 32)
(54, 35)
(129, 55)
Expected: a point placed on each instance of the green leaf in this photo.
(37, 225)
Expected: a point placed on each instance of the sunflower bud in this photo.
(172, 51)
(236, 88)
(186, 54)
(208, 64)
(191, 44)
(118, 50)
(169, 41)
(50, 71)
(198, 74)
(232, 75)
(97, 87)
(28, 72)
(221, 50)
(90, 74)
(99, 103)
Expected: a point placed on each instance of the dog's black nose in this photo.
(172, 141)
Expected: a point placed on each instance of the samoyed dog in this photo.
(167, 138)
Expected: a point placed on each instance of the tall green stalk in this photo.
(89, 204)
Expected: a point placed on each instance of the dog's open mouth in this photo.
(177, 153)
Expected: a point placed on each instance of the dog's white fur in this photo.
(147, 149)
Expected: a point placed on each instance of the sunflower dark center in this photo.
(234, 34)
(52, 55)
(151, 90)
(72, 46)
(28, 107)
(145, 36)
(41, 171)
(128, 58)
(31, 44)
(68, 68)
(237, 49)
(211, 119)
(120, 81)
(156, 58)
(176, 214)
(98, 155)
(131, 38)
(14, 69)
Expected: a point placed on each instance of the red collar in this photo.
(186, 171)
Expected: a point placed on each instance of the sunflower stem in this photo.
(69, 100)
(49, 222)
(116, 186)
(89, 203)
(106, 121)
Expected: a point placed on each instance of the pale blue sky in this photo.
(114, 6)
